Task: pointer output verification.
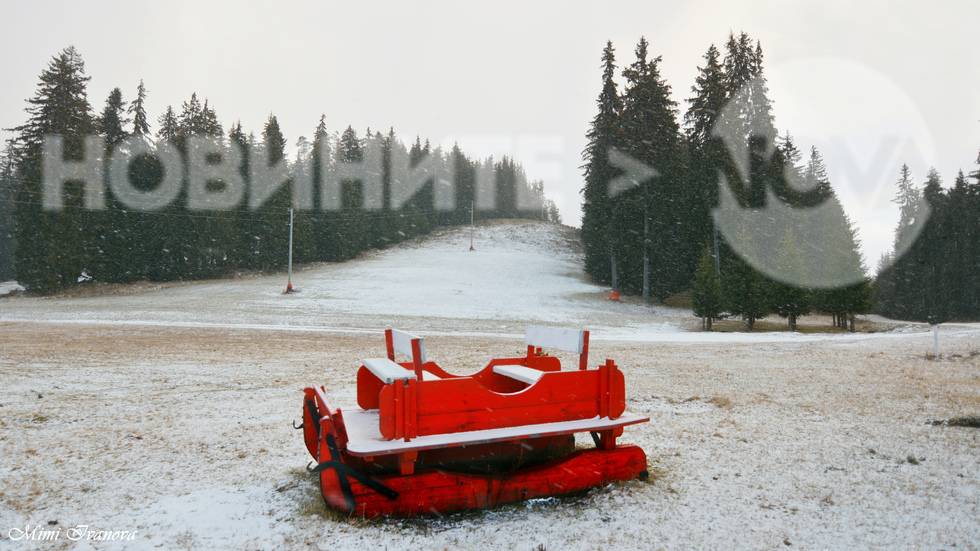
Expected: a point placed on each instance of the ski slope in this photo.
(519, 273)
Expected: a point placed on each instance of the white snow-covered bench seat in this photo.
(519, 372)
(388, 371)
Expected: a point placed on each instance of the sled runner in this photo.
(426, 441)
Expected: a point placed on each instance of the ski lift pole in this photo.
(472, 226)
(289, 283)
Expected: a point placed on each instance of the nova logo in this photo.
(784, 221)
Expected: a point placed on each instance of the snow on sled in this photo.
(426, 441)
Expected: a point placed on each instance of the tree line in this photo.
(48, 251)
(933, 273)
(659, 236)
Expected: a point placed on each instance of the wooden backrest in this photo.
(407, 344)
(569, 340)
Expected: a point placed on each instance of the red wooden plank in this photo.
(417, 357)
(411, 405)
(463, 404)
(390, 344)
(603, 391)
(310, 435)
(583, 359)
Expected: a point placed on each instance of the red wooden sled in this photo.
(427, 441)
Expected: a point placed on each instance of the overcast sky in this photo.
(871, 84)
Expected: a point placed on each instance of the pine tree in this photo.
(243, 248)
(709, 99)
(652, 136)
(908, 198)
(271, 229)
(706, 291)
(599, 234)
(304, 234)
(52, 247)
(352, 234)
(111, 254)
(138, 110)
(746, 292)
(168, 126)
(791, 302)
(327, 223)
(898, 288)
(931, 253)
(465, 173)
(112, 120)
(8, 228)
(963, 234)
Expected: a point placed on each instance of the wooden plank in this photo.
(569, 340)
(366, 440)
(402, 343)
(387, 371)
(519, 372)
(463, 404)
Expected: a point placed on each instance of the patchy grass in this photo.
(971, 422)
(680, 300)
(931, 356)
(803, 325)
(720, 401)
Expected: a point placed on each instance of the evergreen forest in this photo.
(658, 234)
(48, 250)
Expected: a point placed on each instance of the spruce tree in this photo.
(8, 228)
(931, 253)
(898, 289)
(706, 296)
(243, 248)
(352, 230)
(168, 126)
(657, 260)
(138, 110)
(304, 233)
(114, 251)
(271, 221)
(709, 99)
(327, 223)
(113, 119)
(908, 198)
(52, 247)
(599, 233)
(747, 293)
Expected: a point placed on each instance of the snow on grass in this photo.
(168, 412)
(8, 287)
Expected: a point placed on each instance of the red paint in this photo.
(453, 404)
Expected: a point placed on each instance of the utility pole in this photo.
(472, 226)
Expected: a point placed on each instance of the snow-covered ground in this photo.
(8, 287)
(167, 411)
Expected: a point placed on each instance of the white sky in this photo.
(872, 85)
